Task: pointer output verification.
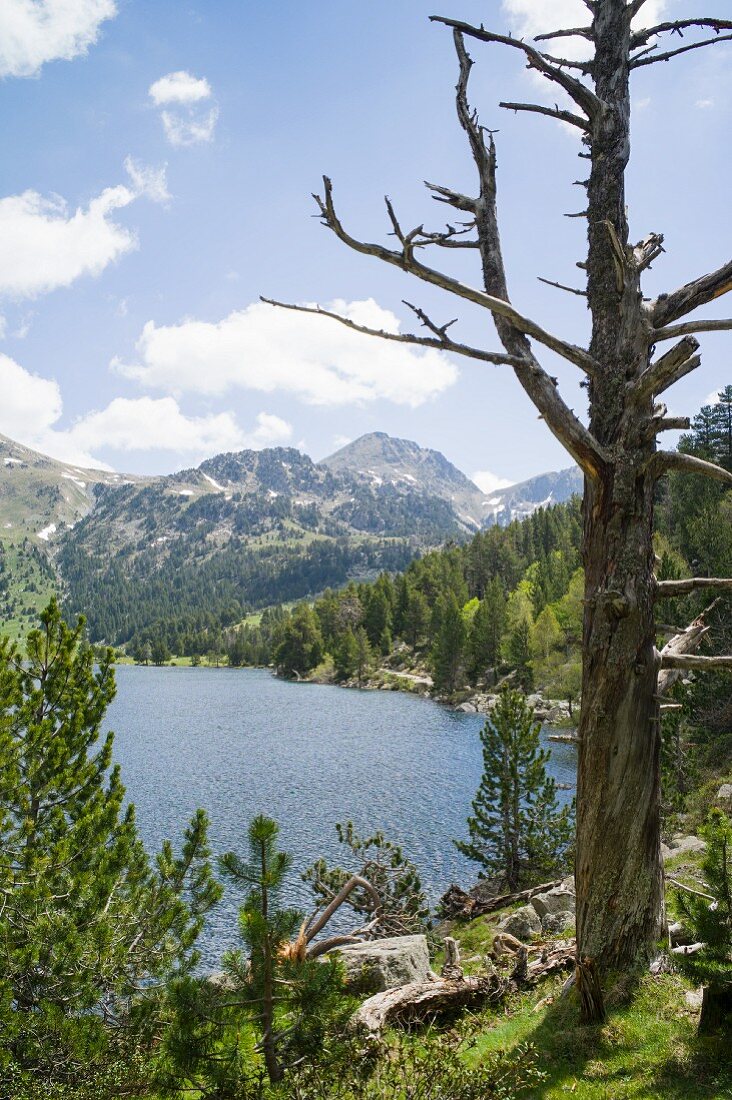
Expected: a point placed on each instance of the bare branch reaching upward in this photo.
(675, 364)
(583, 96)
(668, 589)
(654, 58)
(405, 260)
(442, 342)
(669, 307)
(561, 286)
(664, 461)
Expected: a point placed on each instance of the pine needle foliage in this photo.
(90, 930)
(710, 922)
(518, 831)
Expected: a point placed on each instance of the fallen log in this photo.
(419, 1002)
(456, 903)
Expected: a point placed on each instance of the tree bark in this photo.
(619, 871)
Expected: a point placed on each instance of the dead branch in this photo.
(405, 260)
(553, 112)
(667, 589)
(561, 286)
(442, 343)
(672, 424)
(665, 461)
(642, 37)
(688, 949)
(457, 903)
(669, 307)
(692, 662)
(637, 62)
(689, 890)
(674, 365)
(574, 32)
(420, 1001)
(672, 331)
(317, 923)
(539, 386)
(583, 96)
(686, 641)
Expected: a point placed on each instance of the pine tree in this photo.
(518, 832)
(710, 922)
(449, 646)
(301, 647)
(86, 922)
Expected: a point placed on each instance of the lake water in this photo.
(239, 742)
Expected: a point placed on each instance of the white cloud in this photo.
(185, 120)
(704, 104)
(32, 407)
(45, 245)
(148, 181)
(189, 128)
(179, 87)
(33, 32)
(29, 401)
(488, 482)
(313, 358)
(532, 17)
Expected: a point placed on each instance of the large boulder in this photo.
(385, 964)
(681, 845)
(524, 923)
(558, 900)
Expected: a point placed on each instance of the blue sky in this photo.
(159, 160)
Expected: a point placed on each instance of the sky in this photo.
(159, 160)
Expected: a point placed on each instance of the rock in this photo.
(485, 890)
(666, 852)
(694, 997)
(523, 923)
(558, 713)
(467, 708)
(558, 900)
(385, 964)
(568, 883)
(535, 701)
(679, 935)
(683, 844)
(724, 795)
(556, 923)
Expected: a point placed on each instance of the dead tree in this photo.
(619, 873)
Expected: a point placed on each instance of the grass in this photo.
(648, 1048)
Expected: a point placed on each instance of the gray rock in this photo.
(556, 923)
(558, 900)
(467, 708)
(385, 964)
(694, 998)
(666, 852)
(680, 845)
(724, 795)
(568, 883)
(523, 923)
(558, 713)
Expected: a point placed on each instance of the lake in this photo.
(239, 742)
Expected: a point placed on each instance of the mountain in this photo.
(378, 459)
(39, 499)
(521, 500)
(199, 549)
